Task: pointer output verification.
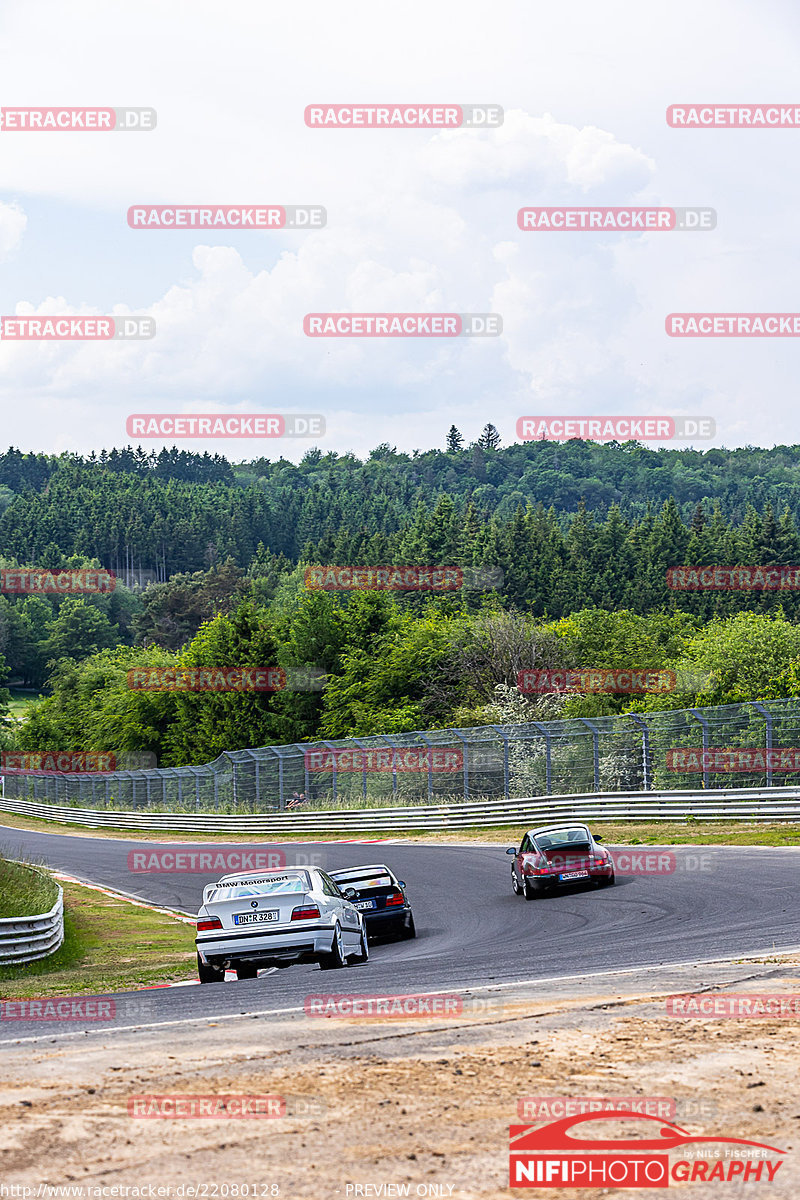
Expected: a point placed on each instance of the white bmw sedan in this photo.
(275, 918)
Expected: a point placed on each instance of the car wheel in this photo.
(515, 883)
(246, 971)
(410, 931)
(529, 890)
(209, 974)
(363, 954)
(336, 958)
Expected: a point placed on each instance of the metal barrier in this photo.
(24, 939)
(625, 753)
(742, 804)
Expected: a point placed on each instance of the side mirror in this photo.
(511, 850)
(349, 893)
(401, 883)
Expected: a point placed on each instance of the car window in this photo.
(328, 886)
(526, 844)
(563, 838)
(364, 882)
(269, 887)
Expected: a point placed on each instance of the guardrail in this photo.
(24, 939)
(729, 804)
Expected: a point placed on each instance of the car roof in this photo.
(558, 828)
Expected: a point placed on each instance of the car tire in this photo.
(208, 973)
(363, 954)
(336, 958)
(529, 891)
(246, 971)
(410, 930)
(515, 883)
(604, 882)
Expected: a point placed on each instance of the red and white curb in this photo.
(95, 887)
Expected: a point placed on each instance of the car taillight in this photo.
(208, 923)
(394, 898)
(305, 912)
(535, 866)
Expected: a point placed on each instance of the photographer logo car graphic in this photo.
(553, 1156)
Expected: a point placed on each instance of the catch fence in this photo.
(669, 750)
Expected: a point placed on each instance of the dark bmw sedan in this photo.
(380, 896)
(559, 856)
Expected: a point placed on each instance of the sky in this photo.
(417, 220)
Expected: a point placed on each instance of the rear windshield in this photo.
(366, 881)
(562, 839)
(264, 887)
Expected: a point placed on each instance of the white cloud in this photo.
(415, 221)
(12, 228)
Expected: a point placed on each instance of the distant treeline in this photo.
(573, 525)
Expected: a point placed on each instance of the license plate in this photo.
(574, 875)
(365, 903)
(255, 918)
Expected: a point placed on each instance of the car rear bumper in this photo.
(308, 941)
(552, 879)
(378, 919)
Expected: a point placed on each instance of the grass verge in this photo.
(25, 891)
(109, 946)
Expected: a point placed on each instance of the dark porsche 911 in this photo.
(559, 856)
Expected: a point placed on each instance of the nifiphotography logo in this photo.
(552, 1156)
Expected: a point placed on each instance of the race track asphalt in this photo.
(471, 929)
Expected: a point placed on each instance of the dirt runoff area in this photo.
(367, 1106)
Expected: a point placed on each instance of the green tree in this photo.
(78, 630)
(489, 439)
(455, 441)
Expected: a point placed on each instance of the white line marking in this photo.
(214, 1018)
